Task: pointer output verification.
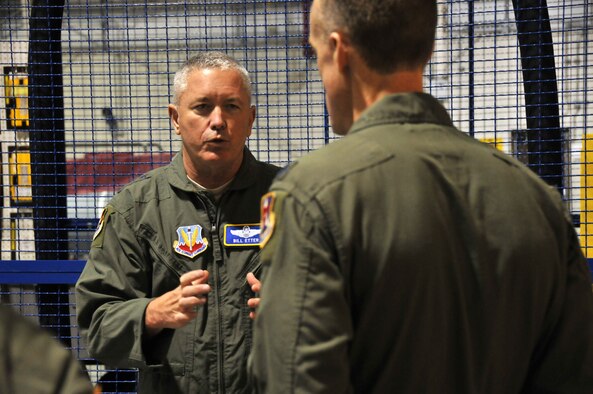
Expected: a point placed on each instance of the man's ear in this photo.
(174, 115)
(340, 45)
(253, 112)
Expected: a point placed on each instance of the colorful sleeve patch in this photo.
(98, 235)
(267, 217)
(242, 234)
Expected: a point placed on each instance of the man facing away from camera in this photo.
(165, 287)
(415, 259)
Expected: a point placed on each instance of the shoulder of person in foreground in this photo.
(32, 361)
(317, 169)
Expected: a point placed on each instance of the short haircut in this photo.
(388, 34)
(208, 60)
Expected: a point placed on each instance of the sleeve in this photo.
(112, 294)
(303, 325)
(563, 361)
(33, 361)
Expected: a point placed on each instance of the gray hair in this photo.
(208, 60)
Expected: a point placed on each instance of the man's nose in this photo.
(217, 121)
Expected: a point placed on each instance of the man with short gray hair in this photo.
(173, 261)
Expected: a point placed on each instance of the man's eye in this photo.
(202, 107)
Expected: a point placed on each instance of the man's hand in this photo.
(255, 287)
(178, 307)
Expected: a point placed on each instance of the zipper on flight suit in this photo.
(214, 230)
(220, 342)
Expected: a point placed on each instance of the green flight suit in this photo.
(408, 257)
(153, 231)
(33, 362)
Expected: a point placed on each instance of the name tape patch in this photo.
(242, 234)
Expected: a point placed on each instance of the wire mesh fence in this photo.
(86, 86)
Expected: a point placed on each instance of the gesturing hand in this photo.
(178, 307)
(255, 287)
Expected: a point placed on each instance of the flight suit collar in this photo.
(403, 108)
(244, 178)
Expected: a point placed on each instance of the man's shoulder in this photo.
(28, 348)
(334, 161)
(146, 187)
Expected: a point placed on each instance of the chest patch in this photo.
(241, 234)
(189, 241)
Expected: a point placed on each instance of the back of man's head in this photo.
(389, 34)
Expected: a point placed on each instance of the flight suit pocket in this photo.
(166, 270)
(162, 378)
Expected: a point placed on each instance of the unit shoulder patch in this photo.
(268, 218)
(99, 233)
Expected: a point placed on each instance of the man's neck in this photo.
(369, 87)
(216, 192)
(211, 176)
